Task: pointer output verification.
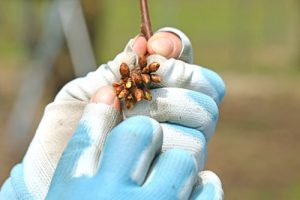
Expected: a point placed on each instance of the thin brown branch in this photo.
(146, 29)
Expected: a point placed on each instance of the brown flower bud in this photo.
(146, 70)
(122, 94)
(138, 79)
(138, 94)
(155, 78)
(128, 83)
(124, 70)
(146, 78)
(116, 84)
(135, 83)
(143, 61)
(118, 89)
(147, 95)
(153, 67)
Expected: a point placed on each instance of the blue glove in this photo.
(131, 166)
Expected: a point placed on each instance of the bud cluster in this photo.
(134, 85)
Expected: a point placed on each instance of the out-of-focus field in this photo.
(253, 45)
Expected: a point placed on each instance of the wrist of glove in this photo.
(186, 107)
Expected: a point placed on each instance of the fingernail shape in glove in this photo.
(106, 95)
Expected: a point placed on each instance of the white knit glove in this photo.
(186, 106)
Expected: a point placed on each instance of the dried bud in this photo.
(155, 78)
(122, 94)
(128, 83)
(138, 94)
(134, 84)
(153, 67)
(117, 84)
(146, 78)
(143, 61)
(124, 70)
(138, 79)
(118, 89)
(146, 70)
(147, 95)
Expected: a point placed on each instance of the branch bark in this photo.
(146, 29)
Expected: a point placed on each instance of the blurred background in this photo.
(254, 45)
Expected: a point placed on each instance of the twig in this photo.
(146, 29)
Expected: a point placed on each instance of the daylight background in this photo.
(254, 45)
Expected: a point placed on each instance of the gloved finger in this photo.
(189, 139)
(173, 174)
(209, 187)
(106, 95)
(129, 150)
(139, 45)
(166, 44)
(81, 156)
(186, 51)
(175, 73)
(179, 106)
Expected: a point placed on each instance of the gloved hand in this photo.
(191, 103)
(131, 165)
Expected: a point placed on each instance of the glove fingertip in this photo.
(216, 83)
(209, 187)
(186, 53)
(106, 95)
